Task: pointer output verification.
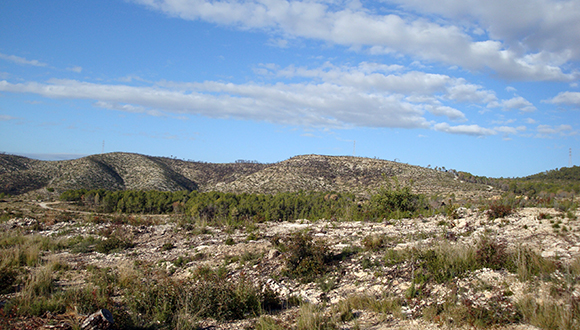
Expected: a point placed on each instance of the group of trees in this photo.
(212, 206)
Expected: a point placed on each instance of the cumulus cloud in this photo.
(562, 130)
(474, 130)
(21, 60)
(522, 56)
(566, 98)
(366, 95)
(518, 103)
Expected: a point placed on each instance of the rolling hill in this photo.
(118, 171)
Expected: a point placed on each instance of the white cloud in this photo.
(76, 69)
(533, 25)
(562, 130)
(566, 98)
(521, 57)
(129, 108)
(474, 130)
(6, 118)
(509, 129)
(530, 121)
(451, 113)
(21, 60)
(464, 92)
(518, 103)
(298, 104)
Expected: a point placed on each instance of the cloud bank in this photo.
(367, 95)
(526, 40)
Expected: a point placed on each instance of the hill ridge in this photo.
(132, 171)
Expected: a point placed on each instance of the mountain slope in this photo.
(117, 171)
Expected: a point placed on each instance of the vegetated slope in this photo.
(564, 174)
(345, 173)
(117, 171)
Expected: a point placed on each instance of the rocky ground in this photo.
(366, 270)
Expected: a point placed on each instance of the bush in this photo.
(491, 254)
(396, 204)
(212, 295)
(305, 258)
(113, 244)
(499, 210)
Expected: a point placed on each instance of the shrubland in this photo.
(302, 260)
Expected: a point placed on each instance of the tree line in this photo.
(212, 206)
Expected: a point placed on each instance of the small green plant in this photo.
(544, 216)
(326, 283)
(230, 241)
(167, 246)
(113, 244)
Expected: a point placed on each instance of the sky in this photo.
(487, 87)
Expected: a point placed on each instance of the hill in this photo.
(118, 171)
(563, 174)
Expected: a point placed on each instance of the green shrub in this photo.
(211, 296)
(306, 259)
(113, 244)
(167, 246)
(396, 203)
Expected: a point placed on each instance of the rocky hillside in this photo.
(117, 171)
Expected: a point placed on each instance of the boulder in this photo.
(101, 320)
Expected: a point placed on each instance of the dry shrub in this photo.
(499, 209)
(374, 242)
(491, 253)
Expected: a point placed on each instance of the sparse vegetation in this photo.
(312, 259)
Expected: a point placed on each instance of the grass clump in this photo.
(374, 242)
(210, 295)
(311, 317)
(456, 311)
(551, 315)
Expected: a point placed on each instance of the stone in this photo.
(101, 320)
(273, 254)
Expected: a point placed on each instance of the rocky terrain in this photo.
(370, 284)
(118, 171)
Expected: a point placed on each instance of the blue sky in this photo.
(488, 87)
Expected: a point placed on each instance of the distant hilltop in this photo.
(129, 171)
